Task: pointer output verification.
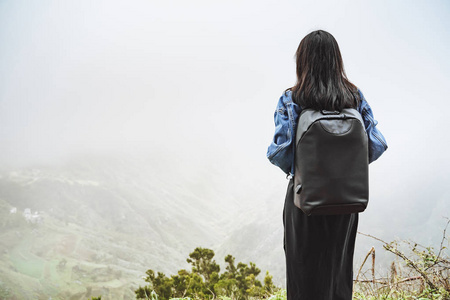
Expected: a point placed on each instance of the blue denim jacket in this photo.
(281, 150)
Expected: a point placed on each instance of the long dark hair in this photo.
(321, 80)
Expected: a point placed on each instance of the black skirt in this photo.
(319, 253)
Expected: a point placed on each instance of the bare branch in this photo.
(442, 241)
(400, 254)
(365, 259)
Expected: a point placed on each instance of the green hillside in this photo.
(94, 227)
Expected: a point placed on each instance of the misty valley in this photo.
(93, 225)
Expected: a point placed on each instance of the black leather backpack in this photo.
(331, 163)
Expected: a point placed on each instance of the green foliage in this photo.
(202, 263)
(4, 291)
(424, 273)
(204, 281)
(426, 294)
(280, 295)
(428, 278)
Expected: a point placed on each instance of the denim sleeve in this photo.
(280, 152)
(377, 142)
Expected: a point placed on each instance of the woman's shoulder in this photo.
(286, 97)
(285, 102)
(291, 105)
(362, 104)
(361, 95)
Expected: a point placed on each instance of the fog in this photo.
(198, 82)
(82, 76)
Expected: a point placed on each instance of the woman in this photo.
(319, 248)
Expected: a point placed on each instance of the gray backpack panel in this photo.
(331, 163)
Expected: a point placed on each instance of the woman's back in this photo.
(319, 248)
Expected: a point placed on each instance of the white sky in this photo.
(100, 76)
